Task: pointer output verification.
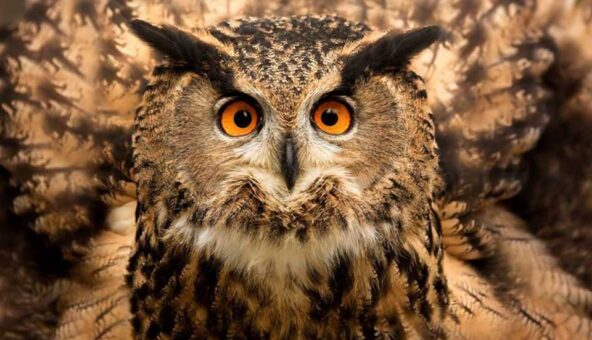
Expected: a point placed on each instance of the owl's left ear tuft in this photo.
(390, 53)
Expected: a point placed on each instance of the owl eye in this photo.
(332, 116)
(238, 118)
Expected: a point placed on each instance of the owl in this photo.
(356, 170)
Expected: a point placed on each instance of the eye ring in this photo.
(333, 116)
(239, 118)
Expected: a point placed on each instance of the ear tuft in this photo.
(185, 51)
(390, 53)
(175, 44)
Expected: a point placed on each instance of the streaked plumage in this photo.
(504, 74)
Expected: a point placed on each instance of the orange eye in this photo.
(239, 118)
(333, 117)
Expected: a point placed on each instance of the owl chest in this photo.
(216, 281)
(202, 296)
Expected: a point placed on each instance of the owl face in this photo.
(273, 154)
(285, 103)
(286, 144)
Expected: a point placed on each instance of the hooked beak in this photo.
(289, 160)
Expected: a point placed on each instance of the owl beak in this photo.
(289, 161)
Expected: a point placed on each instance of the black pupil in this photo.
(242, 119)
(329, 117)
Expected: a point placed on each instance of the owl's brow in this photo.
(187, 53)
(390, 53)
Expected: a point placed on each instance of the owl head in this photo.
(285, 149)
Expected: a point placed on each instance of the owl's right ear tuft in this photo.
(177, 45)
(184, 50)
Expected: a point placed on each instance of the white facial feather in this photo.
(290, 258)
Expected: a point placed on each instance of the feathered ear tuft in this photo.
(390, 53)
(185, 51)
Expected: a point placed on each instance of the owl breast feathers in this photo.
(292, 176)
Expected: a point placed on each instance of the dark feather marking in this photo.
(318, 305)
(473, 237)
(532, 319)
(368, 322)
(131, 267)
(302, 234)
(400, 193)
(480, 302)
(197, 217)
(141, 293)
(186, 330)
(441, 291)
(179, 201)
(136, 322)
(109, 328)
(465, 308)
(207, 280)
(168, 269)
(397, 330)
(341, 280)
(416, 273)
(380, 267)
(340, 283)
(88, 304)
(218, 320)
(429, 244)
(112, 305)
(153, 330)
(112, 262)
